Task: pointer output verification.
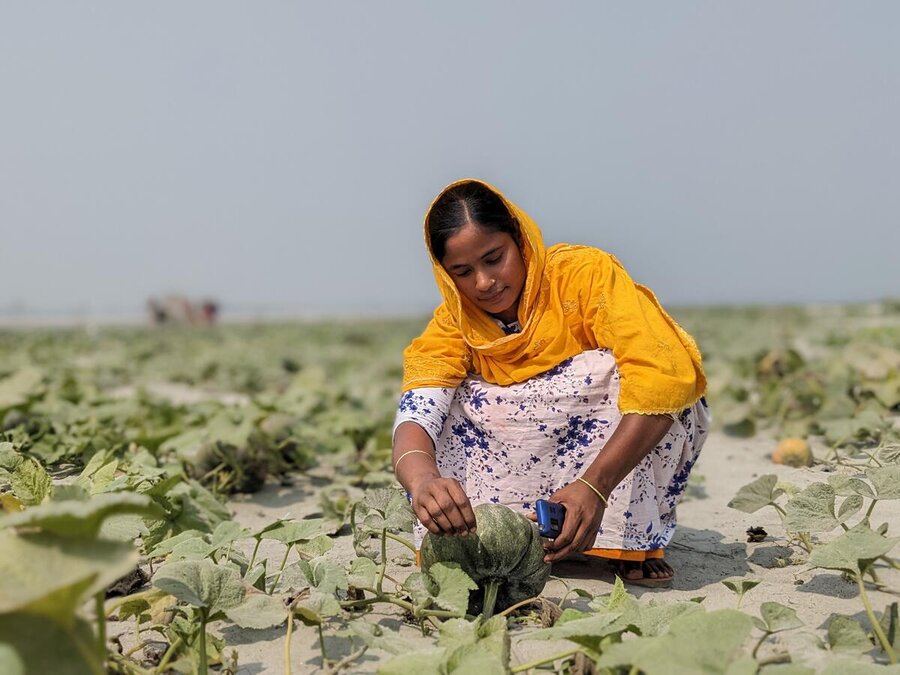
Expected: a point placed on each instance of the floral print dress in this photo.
(515, 444)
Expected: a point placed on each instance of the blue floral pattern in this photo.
(515, 444)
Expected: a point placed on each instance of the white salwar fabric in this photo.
(515, 444)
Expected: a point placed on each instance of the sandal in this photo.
(619, 569)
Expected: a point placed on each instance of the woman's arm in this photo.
(633, 439)
(440, 503)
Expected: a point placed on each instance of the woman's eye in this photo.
(493, 261)
(463, 274)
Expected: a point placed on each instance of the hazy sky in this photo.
(280, 155)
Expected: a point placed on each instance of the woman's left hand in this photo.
(584, 513)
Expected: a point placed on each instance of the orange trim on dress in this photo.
(612, 553)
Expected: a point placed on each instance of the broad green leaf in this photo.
(845, 486)
(201, 583)
(811, 510)
(687, 648)
(166, 546)
(227, 532)
(846, 635)
(30, 482)
(475, 658)
(754, 496)
(79, 519)
(9, 458)
(470, 642)
(314, 608)
(425, 661)
(453, 587)
(60, 572)
(853, 550)
(886, 480)
(315, 547)
(20, 387)
(593, 627)
(363, 573)
(321, 574)
(777, 618)
(258, 610)
(445, 586)
(38, 644)
(850, 507)
(386, 639)
(290, 531)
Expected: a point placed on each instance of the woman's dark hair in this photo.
(467, 203)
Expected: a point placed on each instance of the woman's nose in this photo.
(483, 281)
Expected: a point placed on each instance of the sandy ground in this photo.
(710, 546)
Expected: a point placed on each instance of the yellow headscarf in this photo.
(575, 298)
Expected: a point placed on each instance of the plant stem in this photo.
(253, 556)
(281, 569)
(347, 660)
(876, 624)
(391, 535)
(204, 662)
(870, 509)
(541, 661)
(322, 645)
(490, 597)
(759, 644)
(101, 625)
(287, 642)
(170, 652)
(383, 570)
(510, 610)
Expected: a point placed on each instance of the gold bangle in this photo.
(596, 491)
(409, 452)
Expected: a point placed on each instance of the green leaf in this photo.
(20, 388)
(777, 617)
(850, 507)
(890, 624)
(811, 510)
(741, 586)
(79, 519)
(38, 644)
(60, 572)
(290, 531)
(258, 610)
(321, 574)
(886, 480)
(316, 607)
(852, 666)
(315, 547)
(853, 551)
(201, 583)
(846, 635)
(390, 641)
(227, 532)
(754, 496)
(686, 649)
(30, 482)
(445, 585)
(363, 573)
(845, 486)
(425, 661)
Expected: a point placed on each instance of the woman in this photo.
(546, 373)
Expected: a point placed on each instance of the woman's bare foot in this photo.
(653, 572)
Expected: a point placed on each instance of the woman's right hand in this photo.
(442, 506)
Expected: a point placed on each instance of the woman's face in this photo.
(487, 268)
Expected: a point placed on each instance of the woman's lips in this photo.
(491, 299)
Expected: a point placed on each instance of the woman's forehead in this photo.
(470, 243)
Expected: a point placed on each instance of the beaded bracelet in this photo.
(409, 452)
(596, 491)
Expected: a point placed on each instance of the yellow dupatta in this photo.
(575, 298)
